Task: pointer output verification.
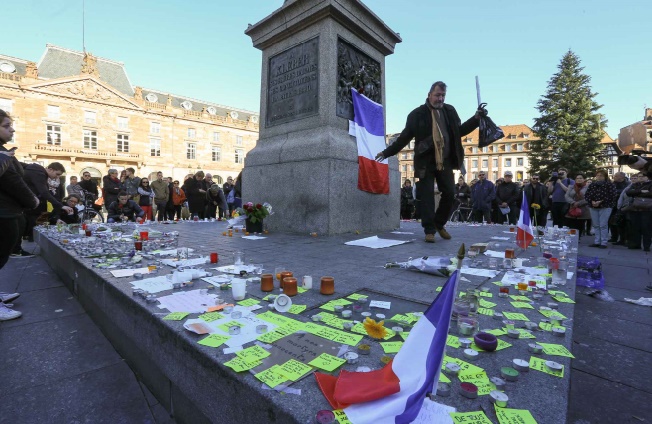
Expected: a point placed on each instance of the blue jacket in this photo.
(482, 194)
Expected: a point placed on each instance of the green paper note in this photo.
(498, 283)
(239, 365)
(301, 290)
(342, 302)
(297, 309)
(211, 316)
(519, 298)
(443, 378)
(461, 294)
(496, 332)
(484, 385)
(277, 319)
(453, 341)
(356, 296)
(515, 316)
(557, 293)
(514, 416)
(271, 337)
(271, 376)
(404, 335)
(563, 299)
(486, 304)
(225, 327)
(294, 369)
(327, 306)
(539, 364)
(248, 302)
(501, 345)
(327, 362)
(214, 340)
(438, 289)
(486, 294)
(175, 316)
(253, 353)
(391, 347)
(523, 305)
(524, 334)
(464, 366)
(341, 417)
(548, 314)
(486, 311)
(401, 317)
(477, 417)
(556, 349)
(468, 376)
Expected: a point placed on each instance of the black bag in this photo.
(489, 132)
(642, 204)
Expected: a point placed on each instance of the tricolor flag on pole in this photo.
(524, 233)
(368, 128)
(395, 393)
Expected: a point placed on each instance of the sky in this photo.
(198, 48)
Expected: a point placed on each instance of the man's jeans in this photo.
(600, 224)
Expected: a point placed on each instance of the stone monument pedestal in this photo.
(305, 164)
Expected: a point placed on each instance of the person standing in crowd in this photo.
(508, 196)
(578, 208)
(623, 221)
(124, 209)
(131, 183)
(227, 187)
(89, 186)
(537, 194)
(146, 198)
(557, 188)
(462, 192)
(640, 213)
(169, 207)
(482, 195)
(621, 182)
(407, 200)
(214, 198)
(437, 130)
(601, 196)
(72, 202)
(74, 187)
(161, 195)
(178, 197)
(111, 186)
(196, 195)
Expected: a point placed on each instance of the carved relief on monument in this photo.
(89, 65)
(88, 90)
(355, 70)
(31, 71)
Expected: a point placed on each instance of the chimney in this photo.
(648, 114)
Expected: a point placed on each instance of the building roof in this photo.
(19, 64)
(58, 62)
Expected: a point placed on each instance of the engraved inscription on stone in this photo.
(293, 84)
(355, 70)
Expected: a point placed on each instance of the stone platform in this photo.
(191, 381)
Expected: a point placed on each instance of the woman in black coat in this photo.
(640, 218)
(111, 186)
(196, 195)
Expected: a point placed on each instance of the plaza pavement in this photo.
(58, 367)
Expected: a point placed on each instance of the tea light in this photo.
(366, 314)
(150, 298)
(234, 330)
(362, 300)
(385, 359)
(521, 365)
(380, 316)
(465, 343)
(357, 308)
(364, 349)
(509, 373)
(498, 382)
(136, 292)
(236, 314)
(261, 329)
(325, 417)
(348, 325)
(443, 389)
(452, 368)
(531, 325)
(471, 354)
(316, 318)
(554, 366)
(338, 308)
(498, 316)
(499, 398)
(553, 305)
(397, 329)
(346, 313)
(465, 329)
(508, 324)
(469, 390)
(535, 348)
(559, 331)
(228, 309)
(138, 276)
(514, 334)
(351, 357)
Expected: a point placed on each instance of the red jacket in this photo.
(178, 198)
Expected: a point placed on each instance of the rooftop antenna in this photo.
(84, 26)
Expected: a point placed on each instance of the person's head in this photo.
(437, 95)
(214, 188)
(55, 170)
(601, 175)
(229, 180)
(499, 181)
(642, 177)
(481, 176)
(86, 176)
(123, 197)
(123, 174)
(199, 175)
(460, 180)
(73, 180)
(144, 182)
(534, 179)
(72, 200)
(208, 177)
(176, 183)
(619, 177)
(159, 176)
(113, 173)
(407, 183)
(563, 173)
(508, 176)
(579, 179)
(169, 180)
(6, 128)
(130, 172)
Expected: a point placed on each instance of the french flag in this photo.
(524, 233)
(368, 128)
(395, 393)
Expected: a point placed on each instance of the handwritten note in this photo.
(271, 376)
(433, 412)
(356, 296)
(563, 299)
(486, 304)
(556, 349)
(519, 298)
(214, 340)
(253, 353)
(548, 314)
(515, 316)
(453, 341)
(391, 347)
(486, 311)
(225, 327)
(327, 362)
(465, 367)
(294, 369)
(340, 417)
(539, 364)
(514, 416)
(211, 316)
(477, 417)
(332, 334)
(175, 316)
(277, 319)
(238, 364)
(496, 332)
(297, 309)
(524, 305)
(525, 334)
(249, 302)
(486, 294)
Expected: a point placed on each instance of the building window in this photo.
(411, 145)
(508, 162)
(494, 149)
(494, 174)
(519, 161)
(191, 151)
(526, 135)
(216, 153)
(519, 147)
(155, 127)
(508, 147)
(54, 112)
(485, 149)
(512, 137)
(474, 164)
(519, 175)
(155, 147)
(485, 163)
(6, 105)
(238, 140)
(495, 163)
(404, 156)
(239, 156)
(123, 143)
(216, 137)
(90, 117)
(123, 123)
(53, 133)
(192, 133)
(90, 139)
(474, 150)
(404, 168)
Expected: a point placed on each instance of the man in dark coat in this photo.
(508, 195)
(483, 194)
(111, 187)
(437, 130)
(537, 193)
(124, 209)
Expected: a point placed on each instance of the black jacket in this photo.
(419, 128)
(110, 189)
(90, 186)
(508, 193)
(129, 209)
(36, 178)
(15, 195)
(542, 197)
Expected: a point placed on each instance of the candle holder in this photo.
(267, 282)
(290, 286)
(327, 286)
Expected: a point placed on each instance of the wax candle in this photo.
(499, 398)
(469, 390)
(535, 348)
(509, 373)
(521, 365)
(514, 334)
(351, 357)
(443, 389)
(554, 366)
(346, 313)
(452, 368)
(471, 354)
(290, 286)
(267, 282)
(327, 285)
(465, 343)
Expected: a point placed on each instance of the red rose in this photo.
(259, 206)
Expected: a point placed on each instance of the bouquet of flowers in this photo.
(255, 213)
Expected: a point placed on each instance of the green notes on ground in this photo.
(539, 364)
(211, 316)
(486, 304)
(556, 349)
(214, 340)
(253, 353)
(514, 316)
(391, 347)
(453, 341)
(175, 316)
(294, 369)
(271, 376)
(496, 332)
(332, 334)
(514, 416)
(563, 299)
(341, 417)
(238, 364)
(248, 302)
(297, 309)
(225, 327)
(486, 311)
(465, 366)
(477, 417)
(277, 319)
(523, 305)
(552, 313)
(519, 298)
(485, 294)
(327, 362)
(480, 380)
(356, 296)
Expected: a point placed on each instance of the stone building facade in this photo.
(82, 111)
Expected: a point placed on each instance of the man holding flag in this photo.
(437, 130)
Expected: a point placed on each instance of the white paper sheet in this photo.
(129, 272)
(375, 242)
(170, 252)
(380, 304)
(153, 285)
(494, 254)
(187, 262)
(479, 272)
(500, 238)
(253, 237)
(433, 412)
(235, 269)
(247, 331)
(218, 280)
(401, 232)
(190, 301)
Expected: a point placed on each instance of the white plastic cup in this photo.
(239, 289)
(307, 282)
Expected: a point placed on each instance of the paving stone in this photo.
(617, 309)
(44, 305)
(614, 330)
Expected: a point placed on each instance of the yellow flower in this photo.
(535, 206)
(235, 214)
(375, 329)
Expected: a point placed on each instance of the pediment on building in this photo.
(84, 87)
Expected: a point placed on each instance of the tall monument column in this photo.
(305, 164)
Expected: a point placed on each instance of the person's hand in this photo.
(60, 222)
(124, 218)
(139, 220)
(480, 112)
(503, 205)
(68, 209)
(380, 157)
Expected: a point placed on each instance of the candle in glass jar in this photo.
(327, 285)
(138, 245)
(267, 282)
(284, 275)
(509, 254)
(522, 286)
(504, 290)
(290, 286)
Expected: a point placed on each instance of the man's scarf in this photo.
(438, 139)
